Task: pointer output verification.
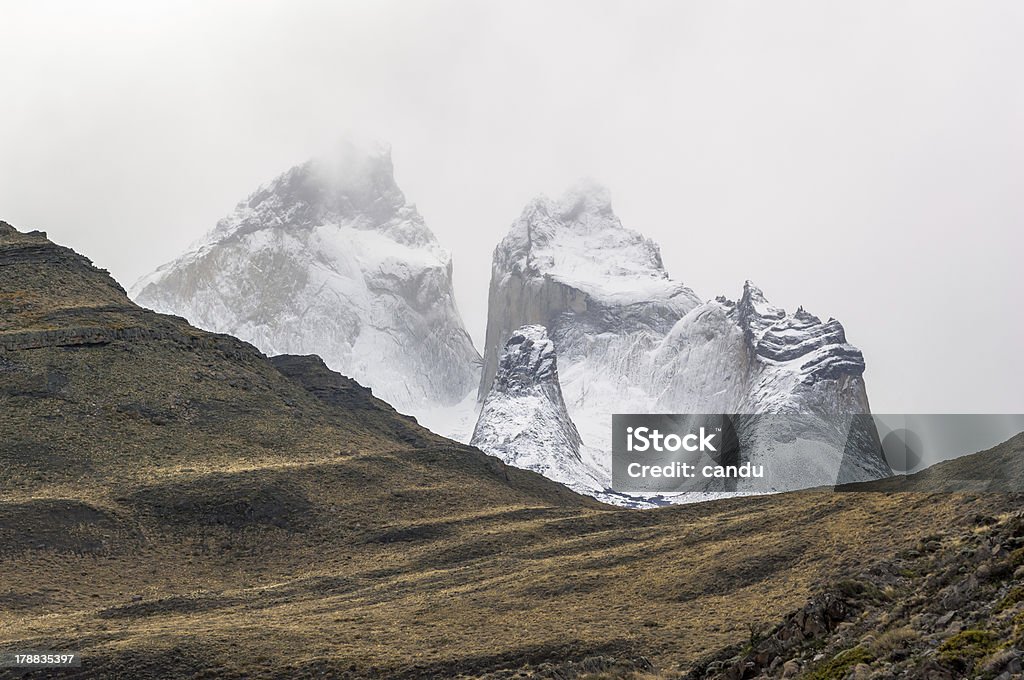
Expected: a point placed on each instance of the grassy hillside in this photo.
(173, 503)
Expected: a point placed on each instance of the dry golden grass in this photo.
(176, 506)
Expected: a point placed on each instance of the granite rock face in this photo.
(753, 359)
(523, 419)
(330, 259)
(570, 265)
(632, 340)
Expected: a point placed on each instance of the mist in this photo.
(863, 160)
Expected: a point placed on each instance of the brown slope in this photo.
(999, 469)
(100, 393)
(950, 607)
(173, 503)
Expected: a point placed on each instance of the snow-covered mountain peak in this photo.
(353, 186)
(329, 259)
(577, 240)
(804, 315)
(754, 313)
(800, 341)
(572, 257)
(524, 420)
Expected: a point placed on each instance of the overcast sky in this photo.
(864, 159)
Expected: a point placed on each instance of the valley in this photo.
(175, 504)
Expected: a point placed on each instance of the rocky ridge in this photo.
(632, 340)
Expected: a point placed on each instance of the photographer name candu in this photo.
(689, 470)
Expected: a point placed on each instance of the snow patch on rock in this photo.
(523, 419)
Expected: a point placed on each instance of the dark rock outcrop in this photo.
(524, 420)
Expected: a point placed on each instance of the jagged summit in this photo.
(330, 259)
(571, 257)
(754, 313)
(353, 184)
(632, 340)
(524, 420)
(578, 240)
(800, 341)
(776, 351)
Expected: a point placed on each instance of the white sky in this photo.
(864, 159)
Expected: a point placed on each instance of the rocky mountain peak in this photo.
(352, 184)
(570, 263)
(10, 233)
(817, 350)
(753, 298)
(330, 259)
(524, 420)
(578, 240)
(29, 257)
(803, 315)
(528, 361)
(754, 313)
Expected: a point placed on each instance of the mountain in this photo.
(570, 265)
(99, 393)
(751, 357)
(795, 372)
(175, 504)
(330, 259)
(523, 420)
(632, 340)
